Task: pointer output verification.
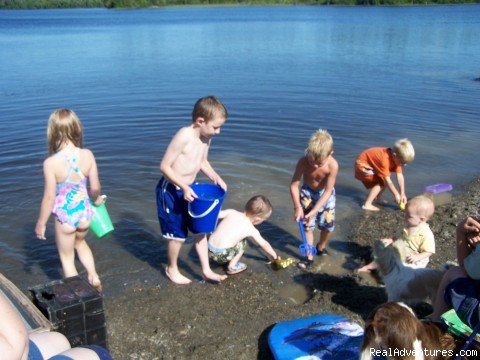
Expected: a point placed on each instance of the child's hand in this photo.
(311, 214)
(221, 183)
(473, 238)
(298, 213)
(398, 198)
(412, 259)
(100, 200)
(403, 199)
(40, 231)
(188, 194)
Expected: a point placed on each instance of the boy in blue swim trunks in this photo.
(185, 156)
(314, 200)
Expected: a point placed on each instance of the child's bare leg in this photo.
(309, 236)
(374, 192)
(171, 270)
(369, 267)
(235, 259)
(323, 241)
(86, 258)
(439, 307)
(65, 240)
(378, 199)
(202, 249)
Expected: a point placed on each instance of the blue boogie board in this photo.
(323, 336)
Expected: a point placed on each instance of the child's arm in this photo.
(94, 181)
(48, 198)
(208, 170)
(391, 187)
(412, 259)
(331, 178)
(401, 187)
(174, 149)
(295, 190)
(264, 244)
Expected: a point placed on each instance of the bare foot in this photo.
(95, 282)
(370, 207)
(211, 276)
(177, 277)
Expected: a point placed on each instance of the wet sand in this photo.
(233, 319)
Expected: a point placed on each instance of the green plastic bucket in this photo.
(101, 224)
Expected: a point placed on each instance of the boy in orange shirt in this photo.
(374, 166)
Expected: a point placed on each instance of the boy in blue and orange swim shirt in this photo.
(314, 201)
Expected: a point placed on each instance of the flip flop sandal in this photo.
(238, 268)
(305, 264)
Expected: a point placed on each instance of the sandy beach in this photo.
(233, 319)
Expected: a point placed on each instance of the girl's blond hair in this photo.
(63, 125)
(320, 145)
(404, 149)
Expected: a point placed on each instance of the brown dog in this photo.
(393, 331)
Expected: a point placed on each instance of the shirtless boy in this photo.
(185, 156)
(314, 200)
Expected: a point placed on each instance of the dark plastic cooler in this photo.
(75, 308)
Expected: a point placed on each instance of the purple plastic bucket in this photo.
(203, 211)
(438, 188)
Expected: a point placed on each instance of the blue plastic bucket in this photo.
(205, 208)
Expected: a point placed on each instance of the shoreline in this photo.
(234, 318)
(110, 5)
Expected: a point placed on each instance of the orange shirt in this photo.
(380, 159)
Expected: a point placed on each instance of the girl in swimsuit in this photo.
(66, 171)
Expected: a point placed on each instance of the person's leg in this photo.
(171, 270)
(85, 256)
(379, 199)
(439, 307)
(235, 260)
(323, 240)
(309, 235)
(50, 343)
(201, 245)
(374, 192)
(65, 240)
(236, 253)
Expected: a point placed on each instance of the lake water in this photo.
(370, 75)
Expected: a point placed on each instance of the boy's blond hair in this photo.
(320, 145)
(404, 149)
(207, 108)
(258, 205)
(63, 125)
(423, 204)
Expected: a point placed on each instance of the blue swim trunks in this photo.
(325, 218)
(172, 211)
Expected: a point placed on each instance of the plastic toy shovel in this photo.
(305, 248)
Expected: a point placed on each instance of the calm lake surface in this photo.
(369, 75)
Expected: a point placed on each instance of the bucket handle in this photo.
(206, 212)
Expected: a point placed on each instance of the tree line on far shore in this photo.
(110, 4)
